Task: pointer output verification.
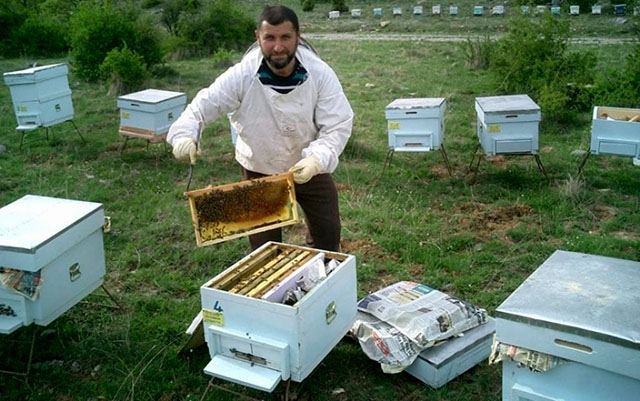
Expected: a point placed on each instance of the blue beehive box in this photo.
(41, 96)
(615, 131)
(149, 113)
(583, 309)
(619, 9)
(54, 246)
(256, 341)
(436, 366)
(478, 10)
(415, 125)
(508, 124)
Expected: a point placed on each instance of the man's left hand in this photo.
(305, 169)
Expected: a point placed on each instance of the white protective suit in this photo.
(275, 130)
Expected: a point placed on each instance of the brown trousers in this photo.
(319, 200)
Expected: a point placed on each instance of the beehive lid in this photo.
(415, 103)
(248, 207)
(592, 296)
(509, 104)
(35, 74)
(151, 96)
(32, 221)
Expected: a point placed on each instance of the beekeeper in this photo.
(290, 114)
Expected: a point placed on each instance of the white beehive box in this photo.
(41, 96)
(524, 9)
(581, 308)
(508, 124)
(149, 113)
(397, 11)
(356, 13)
(61, 240)
(435, 10)
(615, 136)
(541, 9)
(417, 10)
(436, 366)
(258, 343)
(453, 10)
(334, 14)
(596, 9)
(497, 10)
(415, 125)
(574, 10)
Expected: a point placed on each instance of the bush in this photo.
(477, 53)
(533, 59)
(125, 70)
(339, 5)
(621, 88)
(41, 35)
(308, 5)
(96, 29)
(11, 18)
(173, 9)
(224, 58)
(221, 24)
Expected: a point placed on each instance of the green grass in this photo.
(414, 222)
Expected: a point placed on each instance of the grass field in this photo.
(478, 242)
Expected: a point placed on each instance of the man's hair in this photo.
(276, 15)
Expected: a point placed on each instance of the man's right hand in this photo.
(185, 149)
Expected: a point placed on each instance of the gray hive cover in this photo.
(151, 96)
(592, 296)
(510, 103)
(415, 103)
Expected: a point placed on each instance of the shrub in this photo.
(621, 87)
(11, 18)
(339, 5)
(224, 58)
(124, 69)
(308, 5)
(41, 35)
(173, 9)
(97, 28)
(221, 24)
(477, 53)
(533, 59)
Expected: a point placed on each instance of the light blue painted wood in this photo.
(507, 124)
(439, 365)
(570, 381)
(61, 239)
(304, 327)
(615, 137)
(41, 96)
(583, 309)
(151, 110)
(415, 125)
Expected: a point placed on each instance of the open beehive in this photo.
(235, 210)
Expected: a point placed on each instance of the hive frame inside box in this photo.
(289, 212)
(619, 137)
(257, 343)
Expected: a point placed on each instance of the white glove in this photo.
(305, 169)
(185, 148)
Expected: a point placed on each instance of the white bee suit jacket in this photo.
(275, 130)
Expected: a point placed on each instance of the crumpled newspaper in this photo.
(534, 360)
(398, 322)
(23, 282)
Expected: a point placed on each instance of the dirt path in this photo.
(429, 37)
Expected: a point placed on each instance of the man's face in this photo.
(278, 44)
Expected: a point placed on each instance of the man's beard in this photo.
(280, 63)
